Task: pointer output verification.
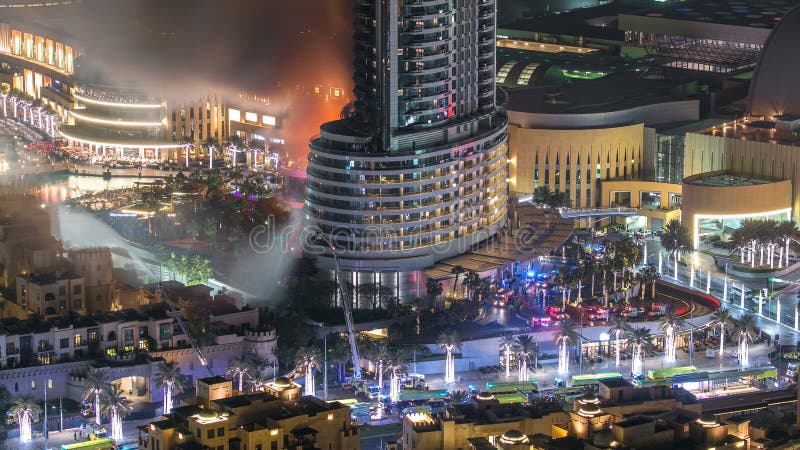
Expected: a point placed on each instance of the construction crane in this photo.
(348, 309)
(182, 324)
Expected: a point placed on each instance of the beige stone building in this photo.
(277, 418)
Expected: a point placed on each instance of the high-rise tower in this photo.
(415, 171)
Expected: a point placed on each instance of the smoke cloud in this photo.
(279, 49)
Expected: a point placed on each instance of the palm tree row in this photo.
(764, 236)
(525, 349)
(109, 399)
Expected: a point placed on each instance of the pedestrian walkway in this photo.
(130, 432)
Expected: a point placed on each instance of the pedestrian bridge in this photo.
(578, 213)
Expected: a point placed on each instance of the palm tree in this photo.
(670, 324)
(564, 277)
(744, 329)
(473, 282)
(306, 359)
(619, 327)
(675, 240)
(114, 403)
(25, 410)
(648, 275)
(95, 382)
(787, 230)
(257, 382)
(169, 376)
(639, 340)
(416, 305)
(721, 318)
(507, 346)
(565, 337)
(526, 349)
(394, 365)
(239, 367)
(457, 271)
(433, 288)
(449, 342)
(381, 353)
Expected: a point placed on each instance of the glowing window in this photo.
(234, 115)
(527, 72)
(268, 120)
(503, 72)
(251, 117)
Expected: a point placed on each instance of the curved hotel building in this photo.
(418, 170)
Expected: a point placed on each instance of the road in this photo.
(766, 323)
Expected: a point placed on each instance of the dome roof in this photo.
(589, 410)
(282, 383)
(773, 90)
(207, 414)
(514, 437)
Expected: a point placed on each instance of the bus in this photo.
(97, 444)
(502, 387)
(511, 397)
(594, 378)
(411, 396)
(664, 374)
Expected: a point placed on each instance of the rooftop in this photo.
(725, 180)
(616, 383)
(745, 13)
(213, 380)
(753, 128)
(633, 422)
(615, 92)
(42, 279)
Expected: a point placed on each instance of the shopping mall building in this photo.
(646, 133)
(111, 120)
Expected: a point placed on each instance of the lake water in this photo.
(52, 189)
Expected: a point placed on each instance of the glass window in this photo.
(210, 433)
(220, 431)
(127, 334)
(527, 73)
(62, 290)
(63, 343)
(76, 289)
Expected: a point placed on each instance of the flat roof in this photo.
(616, 382)
(615, 92)
(551, 231)
(755, 129)
(598, 22)
(745, 13)
(726, 180)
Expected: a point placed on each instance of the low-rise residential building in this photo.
(277, 418)
(51, 294)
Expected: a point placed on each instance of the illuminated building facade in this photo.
(417, 172)
(34, 58)
(115, 121)
(275, 418)
(749, 167)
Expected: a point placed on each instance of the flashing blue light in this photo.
(531, 274)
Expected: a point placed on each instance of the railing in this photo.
(573, 213)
